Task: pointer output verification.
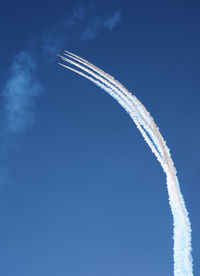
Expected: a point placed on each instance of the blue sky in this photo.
(81, 192)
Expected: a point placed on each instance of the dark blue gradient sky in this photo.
(81, 194)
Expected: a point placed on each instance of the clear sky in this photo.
(81, 194)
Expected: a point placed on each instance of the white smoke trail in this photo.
(131, 103)
(126, 107)
(151, 134)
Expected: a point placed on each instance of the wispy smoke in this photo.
(20, 92)
(151, 134)
(52, 42)
(84, 22)
(22, 87)
(78, 12)
(18, 97)
(96, 24)
(57, 37)
(111, 22)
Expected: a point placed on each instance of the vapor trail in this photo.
(112, 81)
(137, 113)
(123, 103)
(151, 134)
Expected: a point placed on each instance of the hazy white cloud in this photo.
(111, 22)
(19, 93)
(96, 24)
(52, 42)
(78, 12)
(92, 28)
(22, 87)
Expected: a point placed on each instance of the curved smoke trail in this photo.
(151, 134)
